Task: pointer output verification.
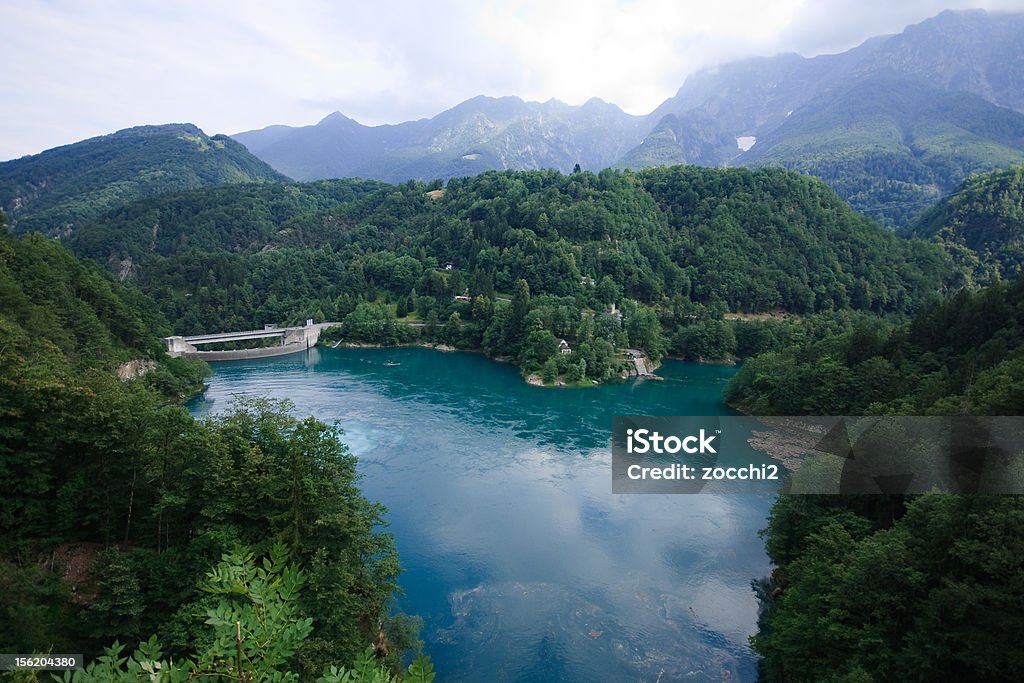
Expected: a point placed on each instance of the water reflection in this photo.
(521, 561)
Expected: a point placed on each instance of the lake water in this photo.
(521, 562)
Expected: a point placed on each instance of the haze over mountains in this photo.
(892, 124)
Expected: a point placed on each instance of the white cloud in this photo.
(635, 54)
(830, 26)
(73, 69)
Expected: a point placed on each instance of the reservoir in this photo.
(522, 563)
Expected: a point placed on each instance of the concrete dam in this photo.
(292, 340)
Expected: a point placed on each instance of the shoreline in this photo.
(533, 379)
(423, 345)
(703, 361)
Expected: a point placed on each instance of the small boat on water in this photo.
(390, 364)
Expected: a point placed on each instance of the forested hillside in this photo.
(963, 355)
(847, 227)
(67, 316)
(892, 146)
(649, 260)
(122, 505)
(879, 588)
(117, 504)
(57, 190)
(981, 225)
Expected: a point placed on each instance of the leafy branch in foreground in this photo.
(257, 627)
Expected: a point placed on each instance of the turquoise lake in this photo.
(522, 563)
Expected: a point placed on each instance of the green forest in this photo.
(512, 263)
(981, 225)
(963, 355)
(124, 520)
(892, 146)
(874, 588)
(59, 189)
(134, 530)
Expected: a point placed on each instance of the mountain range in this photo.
(891, 124)
(483, 133)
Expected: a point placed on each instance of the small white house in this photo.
(563, 346)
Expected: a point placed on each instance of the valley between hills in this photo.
(861, 256)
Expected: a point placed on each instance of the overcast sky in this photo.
(74, 69)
